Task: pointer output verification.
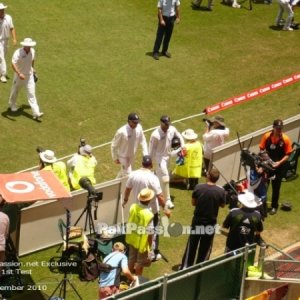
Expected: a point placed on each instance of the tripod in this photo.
(62, 286)
(88, 217)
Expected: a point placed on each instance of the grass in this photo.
(94, 67)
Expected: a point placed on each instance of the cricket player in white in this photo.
(6, 27)
(160, 151)
(22, 64)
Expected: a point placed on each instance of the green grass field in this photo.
(95, 66)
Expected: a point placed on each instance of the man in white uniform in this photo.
(125, 142)
(22, 64)
(160, 151)
(6, 27)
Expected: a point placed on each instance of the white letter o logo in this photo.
(23, 187)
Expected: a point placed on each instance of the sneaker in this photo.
(156, 56)
(166, 54)
(156, 257)
(288, 29)
(36, 117)
(273, 211)
(3, 79)
(236, 5)
(170, 204)
(13, 108)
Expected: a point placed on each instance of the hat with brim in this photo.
(247, 199)
(286, 206)
(28, 42)
(48, 156)
(278, 124)
(85, 150)
(2, 6)
(146, 195)
(218, 119)
(189, 134)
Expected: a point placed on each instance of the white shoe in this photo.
(13, 108)
(236, 5)
(288, 29)
(3, 79)
(170, 204)
(36, 117)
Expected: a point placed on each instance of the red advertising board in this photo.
(32, 186)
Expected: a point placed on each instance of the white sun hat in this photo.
(189, 134)
(28, 42)
(247, 199)
(48, 156)
(2, 6)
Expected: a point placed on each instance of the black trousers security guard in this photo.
(164, 34)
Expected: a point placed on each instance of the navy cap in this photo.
(147, 161)
(133, 117)
(165, 119)
(278, 123)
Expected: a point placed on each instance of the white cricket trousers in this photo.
(29, 84)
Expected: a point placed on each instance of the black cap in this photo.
(278, 123)
(133, 117)
(165, 119)
(147, 161)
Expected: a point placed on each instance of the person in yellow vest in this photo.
(82, 164)
(192, 162)
(139, 232)
(48, 161)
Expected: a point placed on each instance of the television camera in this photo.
(261, 160)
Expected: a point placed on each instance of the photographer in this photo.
(279, 147)
(215, 134)
(48, 161)
(82, 164)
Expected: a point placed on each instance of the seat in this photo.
(77, 238)
(290, 170)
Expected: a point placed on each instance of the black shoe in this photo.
(273, 211)
(155, 55)
(166, 54)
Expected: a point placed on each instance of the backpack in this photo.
(91, 268)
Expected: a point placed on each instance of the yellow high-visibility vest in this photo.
(85, 167)
(192, 166)
(60, 170)
(137, 234)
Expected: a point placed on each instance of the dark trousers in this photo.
(164, 34)
(204, 243)
(276, 184)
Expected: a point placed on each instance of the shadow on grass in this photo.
(200, 8)
(12, 115)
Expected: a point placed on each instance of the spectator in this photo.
(207, 198)
(168, 14)
(125, 142)
(278, 146)
(145, 178)
(139, 232)
(23, 65)
(48, 161)
(215, 134)
(109, 282)
(82, 165)
(160, 151)
(197, 4)
(285, 5)
(192, 167)
(4, 233)
(244, 224)
(6, 28)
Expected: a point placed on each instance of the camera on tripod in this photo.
(86, 184)
(257, 161)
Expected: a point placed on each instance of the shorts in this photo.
(107, 291)
(135, 257)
